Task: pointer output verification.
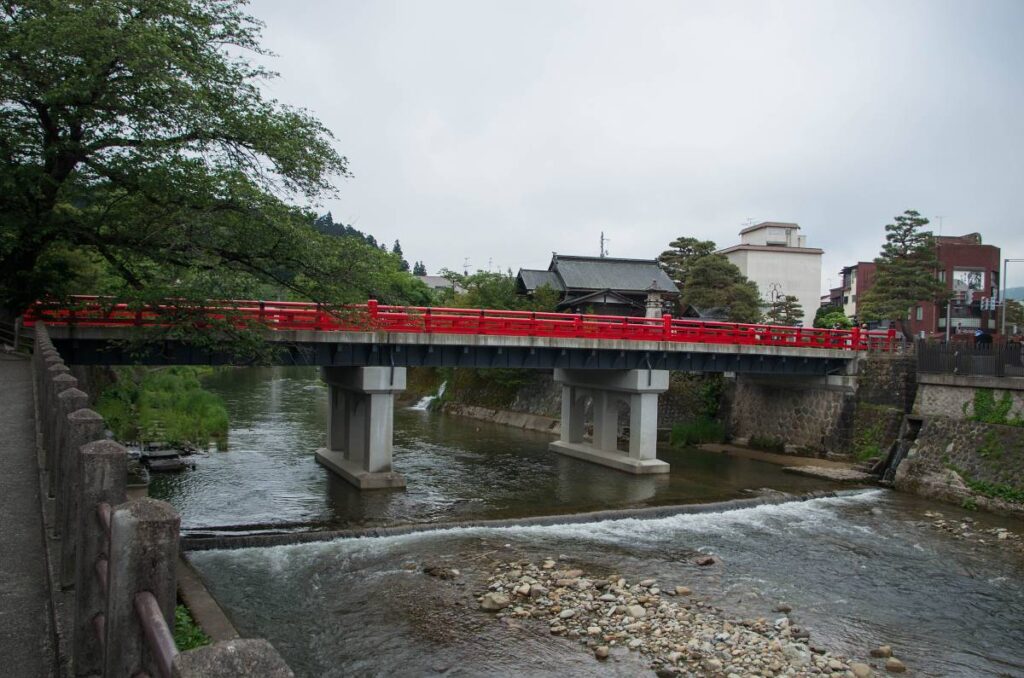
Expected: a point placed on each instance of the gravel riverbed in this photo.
(675, 632)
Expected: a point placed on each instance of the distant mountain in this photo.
(1015, 293)
(326, 224)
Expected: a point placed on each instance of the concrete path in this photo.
(26, 641)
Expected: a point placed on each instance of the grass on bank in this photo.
(164, 405)
(187, 634)
(702, 430)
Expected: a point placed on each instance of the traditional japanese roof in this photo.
(530, 279)
(636, 276)
(601, 297)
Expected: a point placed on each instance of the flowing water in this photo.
(859, 569)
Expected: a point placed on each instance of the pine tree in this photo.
(785, 310)
(684, 251)
(419, 268)
(906, 272)
(715, 282)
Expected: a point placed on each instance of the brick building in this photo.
(968, 267)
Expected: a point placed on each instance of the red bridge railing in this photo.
(374, 317)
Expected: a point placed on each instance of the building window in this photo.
(920, 313)
(942, 276)
(853, 298)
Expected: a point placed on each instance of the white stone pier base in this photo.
(361, 424)
(606, 388)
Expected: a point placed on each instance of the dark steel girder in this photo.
(97, 352)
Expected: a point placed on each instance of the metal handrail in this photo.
(94, 311)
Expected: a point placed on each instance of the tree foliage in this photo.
(833, 320)
(786, 310)
(712, 281)
(141, 159)
(906, 273)
(419, 268)
(682, 252)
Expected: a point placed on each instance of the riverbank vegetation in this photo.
(164, 405)
(187, 634)
(696, 432)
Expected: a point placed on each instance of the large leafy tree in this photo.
(786, 310)
(139, 156)
(906, 273)
(682, 252)
(713, 281)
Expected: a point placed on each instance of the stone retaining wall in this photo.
(950, 395)
(966, 462)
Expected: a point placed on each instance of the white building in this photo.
(776, 257)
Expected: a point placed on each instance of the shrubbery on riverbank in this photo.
(702, 430)
(166, 405)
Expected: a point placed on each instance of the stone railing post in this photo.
(68, 400)
(101, 471)
(83, 426)
(232, 659)
(143, 555)
(51, 421)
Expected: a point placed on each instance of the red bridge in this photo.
(285, 316)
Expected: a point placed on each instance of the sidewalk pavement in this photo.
(26, 636)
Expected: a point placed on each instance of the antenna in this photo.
(465, 266)
(490, 264)
(940, 218)
(604, 241)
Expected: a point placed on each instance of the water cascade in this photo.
(424, 402)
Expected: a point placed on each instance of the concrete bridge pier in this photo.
(606, 389)
(361, 424)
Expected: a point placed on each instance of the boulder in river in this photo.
(893, 665)
(882, 651)
(494, 602)
(704, 561)
(601, 652)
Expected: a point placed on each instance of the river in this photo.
(859, 569)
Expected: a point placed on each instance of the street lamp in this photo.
(1002, 326)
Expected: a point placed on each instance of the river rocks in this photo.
(893, 665)
(785, 608)
(636, 611)
(882, 651)
(675, 635)
(861, 670)
(704, 561)
(493, 602)
(440, 571)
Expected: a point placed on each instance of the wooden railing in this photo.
(374, 317)
(119, 556)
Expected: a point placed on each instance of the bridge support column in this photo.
(606, 389)
(361, 424)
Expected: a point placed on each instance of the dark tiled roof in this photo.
(532, 279)
(624, 275)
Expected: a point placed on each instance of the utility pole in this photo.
(604, 250)
(940, 218)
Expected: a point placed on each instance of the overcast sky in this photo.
(499, 132)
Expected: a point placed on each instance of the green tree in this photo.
(1014, 311)
(419, 268)
(713, 281)
(396, 249)
(832, 320)
(683, 252)
(786, 310)
(134, 133)
(906, 272)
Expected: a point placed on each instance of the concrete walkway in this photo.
(26, 640)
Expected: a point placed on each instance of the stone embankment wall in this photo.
(953, 396)
(530, 399)
(825, 416)
(967, 463)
